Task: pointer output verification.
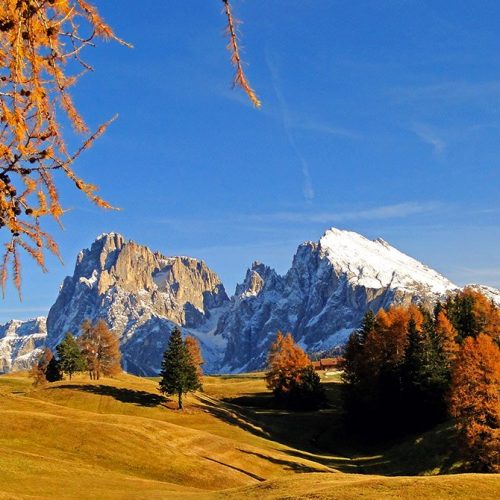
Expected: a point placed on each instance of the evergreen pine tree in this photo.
(369, 324)
(425, 376)
(45, 369)
(414, 359)
(53, 372)
(415, 374)
(70, 356)
(178, 372)
(460, 311)
(358, 376)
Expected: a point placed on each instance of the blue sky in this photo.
(378, 116)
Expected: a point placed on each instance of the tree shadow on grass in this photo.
(321, 436)
(232, 415)
(309, 431)
(286, 464)
(139, 398)
(238, 469)
(262, 416)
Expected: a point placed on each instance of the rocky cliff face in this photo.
(323, 297)
(140, 294)
(21, 343)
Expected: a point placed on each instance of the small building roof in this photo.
(329, 362)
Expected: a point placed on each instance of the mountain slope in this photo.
(140, 294)
(21, 343)
(324, 295)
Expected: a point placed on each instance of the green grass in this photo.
(119, 438)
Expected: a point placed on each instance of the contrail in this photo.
(307, 186)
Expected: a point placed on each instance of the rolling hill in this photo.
(119, 438)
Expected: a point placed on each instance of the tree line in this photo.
(97, 352)
(408, 368)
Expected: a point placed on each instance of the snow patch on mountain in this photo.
(376, 264)
(324, 295)
(21, 343)
(491, 293)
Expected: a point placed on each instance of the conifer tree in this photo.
(178, 371)
(424, 380)
(45, 369)
(415, 359)
(471, 313)
(53, 372)
(70, 356)
(460, 311)
(358, 369)
(369, 324)
(475, 402)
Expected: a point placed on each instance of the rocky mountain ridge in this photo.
(21, 343)
(140, 294)
(324, 295)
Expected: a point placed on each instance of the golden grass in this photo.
(118, 438)
(352, 486)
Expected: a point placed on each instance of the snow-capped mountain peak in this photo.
(375, 263)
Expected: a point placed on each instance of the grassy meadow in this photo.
(119, 438)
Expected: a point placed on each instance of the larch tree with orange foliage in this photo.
(389, 346)
(194, 351)
(291, 375)
(475, 402)
(446, 338)
(472, 313)
(39, 41)
(240, 79)
(285, 361)
(41, 48)
(100, 349)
